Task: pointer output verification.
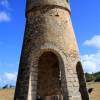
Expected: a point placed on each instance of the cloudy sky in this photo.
(86, 22)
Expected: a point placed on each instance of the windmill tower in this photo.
(50, 67)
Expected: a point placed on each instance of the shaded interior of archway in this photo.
(82, 82)
(49, 81)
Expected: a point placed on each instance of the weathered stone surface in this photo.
(50, 66)
(41, 3)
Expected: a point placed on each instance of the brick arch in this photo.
(62, 65)
(82, 82)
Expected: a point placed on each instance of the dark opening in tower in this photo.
(82, 83)
(49, 81)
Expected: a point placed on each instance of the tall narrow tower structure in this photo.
(50, 67)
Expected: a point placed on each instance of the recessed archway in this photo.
(49, 77)
(82, 82)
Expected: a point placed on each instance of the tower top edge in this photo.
(30, 4)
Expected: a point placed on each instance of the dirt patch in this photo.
(95, 94)
(8, 94)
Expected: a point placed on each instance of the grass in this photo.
(8, 94)
(95, 95)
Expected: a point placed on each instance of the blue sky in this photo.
(86, 22)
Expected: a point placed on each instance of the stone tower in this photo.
(50, 67)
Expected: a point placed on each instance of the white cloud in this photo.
(91, 62)
(0, 80)
(6, 11)
(11, 76)
(4, 17)
(94, 41)
(8, 78)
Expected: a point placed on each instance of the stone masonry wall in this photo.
(49, 29)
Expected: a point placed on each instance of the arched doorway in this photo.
(49, 77)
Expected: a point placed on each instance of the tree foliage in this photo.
(92, 77)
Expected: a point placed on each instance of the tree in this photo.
(89, 77)
(5, 87)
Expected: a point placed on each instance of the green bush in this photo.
(92, 77)
(89, 77)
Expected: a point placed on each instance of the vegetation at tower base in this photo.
(93, 77)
